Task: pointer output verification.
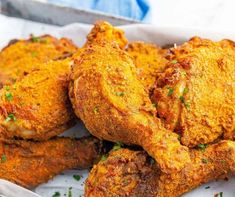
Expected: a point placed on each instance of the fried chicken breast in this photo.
(113, 104)
(22, 56)
(133, 173)
(195, 93)
(149, 60)
(30, 163)
(37, 107)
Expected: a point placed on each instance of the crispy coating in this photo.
(149, 60)
(112, 102)
(37, 107)
(195, 94)
(133, 173)
(31, 163)
(102, 30)
(22, 56)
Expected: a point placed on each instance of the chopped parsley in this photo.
(117, 146)
(170, 91)
(202, 147)
(120, 93)
(7, 88)
(96, 110)
(104, 157)
(9, 96)
(185, 90)
(207, 187)
(154, 104)
(3, 158)
(174, 61)
(77, 177)
(221, 194)
(204, 160)
(182, 99)
(10, 117)
(35, 39)
(70, 192)
(56, 194)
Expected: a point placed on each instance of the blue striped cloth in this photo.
(135, 9)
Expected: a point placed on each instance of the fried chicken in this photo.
(102, 30)
(22, 56)
(195, 93)
(113, 104)
(31, 163)
(133, 173)
(37, 107)
(149, 60)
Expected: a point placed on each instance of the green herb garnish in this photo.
(174, 61)
(185, 90)
(104, 157)
(154, 105)
(9, 96)
(204, 160)
(120, 93)
(117, 146)
(221, 194)
(182, 99)
(202, 147)
(70, 192)
(56, 194)
(152, 161)
(207, 187)
(35, 39)
(7, 88)
(76, 177)
(3, 158)
(96, 110)
(170, 91)
(10, 117)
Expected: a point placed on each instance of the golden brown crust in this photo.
(113, 104)
(102, 30)
(37, 107)
(201, 76)
(149, 60)
(133, 173)
(32, 163)
(22, 56)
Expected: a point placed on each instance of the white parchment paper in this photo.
(64, 183)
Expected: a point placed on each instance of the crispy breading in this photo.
(102, 30)
(133, 173)
(31, 163)
(22, 56)
(195, 94)
(37, 107)
(112, 102)
(149, 60)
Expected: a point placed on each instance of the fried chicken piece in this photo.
(112, 102)
(195, 93)
(22, 56)
(149, 60)
(31, 163)
(37, 107)
(133, 173)
(102, 30)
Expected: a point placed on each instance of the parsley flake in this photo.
(3, 158)
(170, 91)
(10, 117)
(117, 146)
(56, 194)
(120, 93)
(182, 99)
(104, 157)
(202, 147)
(9, 96)
(185, 90)
(96, 110)
(174, 61)
(76, 177)
(35, 39)
(207, 187)
(70, 192)
(204, 160)
(7, 88)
